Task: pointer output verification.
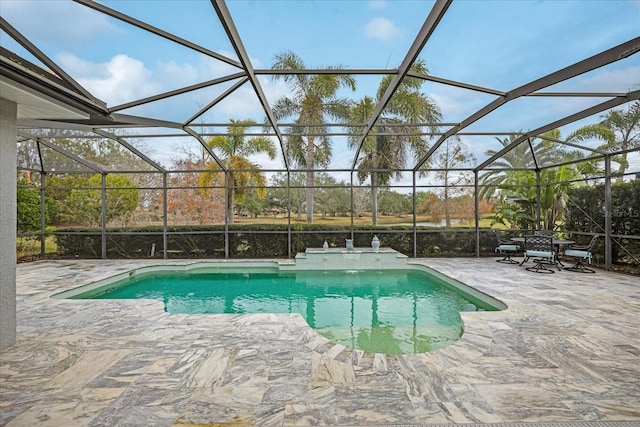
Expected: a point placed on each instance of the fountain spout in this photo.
(349, 244)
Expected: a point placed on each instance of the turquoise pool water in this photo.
(386, 311)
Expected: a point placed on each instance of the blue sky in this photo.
(498, 44)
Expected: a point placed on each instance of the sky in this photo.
(496, 44)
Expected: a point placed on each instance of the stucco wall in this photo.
(8, 112)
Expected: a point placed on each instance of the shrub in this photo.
(586, 214)
(262, 240)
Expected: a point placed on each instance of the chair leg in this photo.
(579, 267)
(540, 268)
(507, 259)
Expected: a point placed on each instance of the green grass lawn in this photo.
(346, 221)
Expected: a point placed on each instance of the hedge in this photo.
(262, 241)
(586, 214)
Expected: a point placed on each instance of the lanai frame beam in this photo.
(31, 48)
(157, 31)
(601, 59)
(234, 37)
(430, 24)
(611, 103)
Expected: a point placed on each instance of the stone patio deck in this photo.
(566, 351)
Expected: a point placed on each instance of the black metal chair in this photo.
(543, 252)
(507, 247)
(545, 233)
(581, 252)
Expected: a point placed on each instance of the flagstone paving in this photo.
(566, 350)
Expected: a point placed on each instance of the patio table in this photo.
(555, 241)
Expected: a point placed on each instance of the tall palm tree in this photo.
(513, 177)
(626, 126)
(590, 132)
(506, 171)
(397, 131)
(233, 149)
(313, 99)
(542, 152)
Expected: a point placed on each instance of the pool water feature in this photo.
(411, 310)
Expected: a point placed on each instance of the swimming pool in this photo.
(391, 311)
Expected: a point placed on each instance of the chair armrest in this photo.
(579, 247)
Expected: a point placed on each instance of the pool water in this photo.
(386, 311)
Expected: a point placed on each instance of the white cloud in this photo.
(451, 106)
(243, 103)
(124, 79)
(61, 23)
(182, 74)
(120, 80)
(456, 103)
(382, 29)
(265, 162)
(214, 67)
(377, 4)
(621, 80)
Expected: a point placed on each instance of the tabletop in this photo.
(556, 241)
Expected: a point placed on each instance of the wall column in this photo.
(8, 118)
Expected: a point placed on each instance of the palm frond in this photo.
(285, 107)
(288, 60)
(595, 131)
(294, 147)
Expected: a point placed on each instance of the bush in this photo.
(28, 207)
(263, 241)
(586, 214)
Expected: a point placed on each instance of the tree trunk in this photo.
(374, 199)
(230, 198)
(622, 168)
(447, 214)
(309, 196)
(310, 181)
(374, 187)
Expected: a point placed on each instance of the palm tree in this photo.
(509, 168)
(517, 185)
(233, 150)
(626, 126)
(397, 131)
(313, 99)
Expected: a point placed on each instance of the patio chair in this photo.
(542, 250)
(507, 247)
(581, 252)
(545, 233)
